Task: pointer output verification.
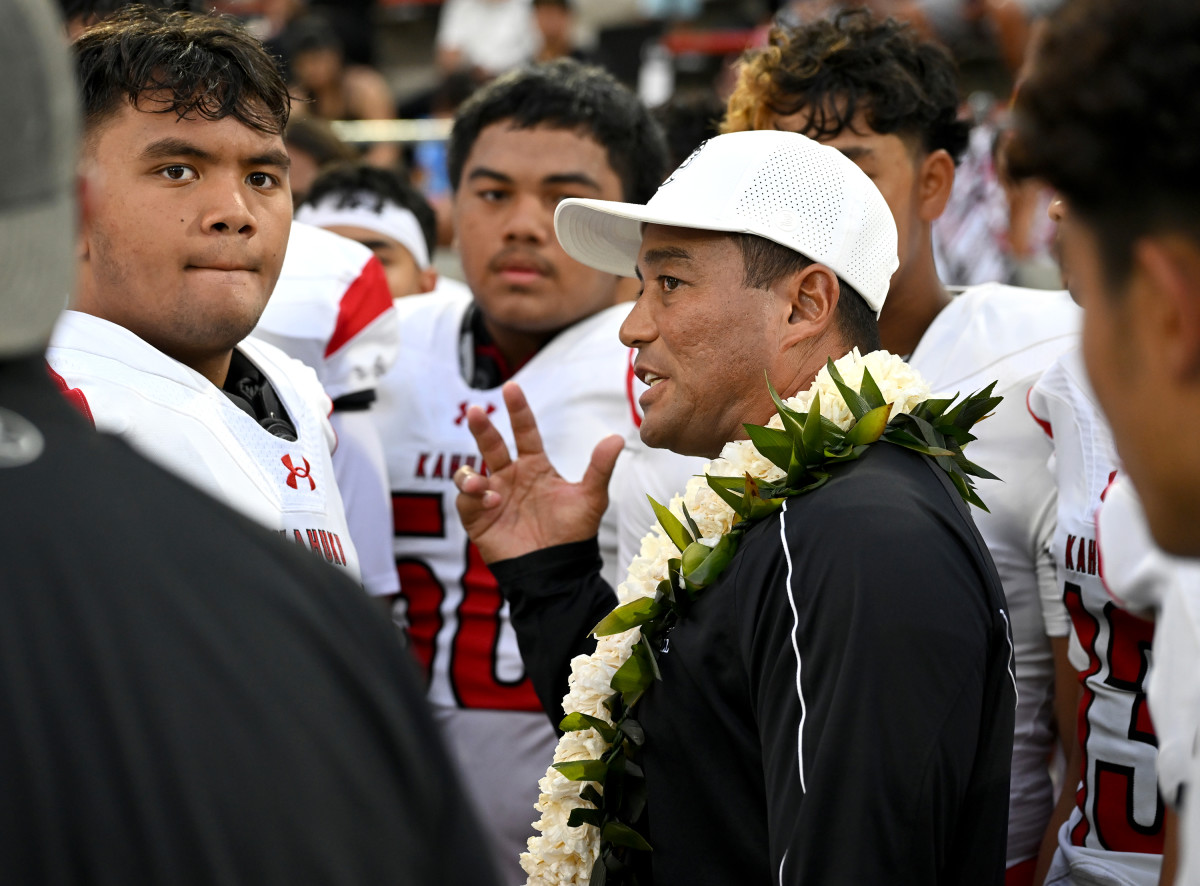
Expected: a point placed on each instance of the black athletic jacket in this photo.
(836, 709)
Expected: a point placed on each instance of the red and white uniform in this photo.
(332, 310)
(1009, 335)
(1141, 577)
(179, 419)
(1114, 834)
(458, 624)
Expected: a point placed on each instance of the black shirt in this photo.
(836, 709)
(186, 699)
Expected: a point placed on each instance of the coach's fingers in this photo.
(491, 445)
(600, 468)
(475, 490)
(524, 424)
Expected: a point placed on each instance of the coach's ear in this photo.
(1169, 264)
(812, 298)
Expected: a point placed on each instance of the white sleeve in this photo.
(1172, 688)
(1134, 570)
(361, 472)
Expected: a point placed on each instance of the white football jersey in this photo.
(1114, 834)
(332, 310)
(1009, 335)
(458, 624)
(179, 419)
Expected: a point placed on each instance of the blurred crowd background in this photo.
(382, 79)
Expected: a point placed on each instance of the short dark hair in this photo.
(565, 94)
(766, 262)
(349, 181)
(97, 10)
(207, 65)
(1110, 116)
(853, 63)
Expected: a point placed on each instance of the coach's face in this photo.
(706, 341)
(184, 231)
(512, 181)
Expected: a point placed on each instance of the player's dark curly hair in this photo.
(181, 63)
(854, 63)
(565, 94)
(766, 262)
(349, 182)
(95, 10)
(1110, 116)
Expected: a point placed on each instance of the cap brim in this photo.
(606, 235)
(37, 270)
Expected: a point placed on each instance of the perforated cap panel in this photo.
(778, 185)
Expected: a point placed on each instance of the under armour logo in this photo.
(686, 163)
(294, 472)
(462, 411)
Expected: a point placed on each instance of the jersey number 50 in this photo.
(471, 592)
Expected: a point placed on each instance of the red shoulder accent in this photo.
(1042, 423)
(1112, 478)
(629, 377)
(74, 396)
(364, 300)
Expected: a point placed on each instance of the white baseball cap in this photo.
(782, 186)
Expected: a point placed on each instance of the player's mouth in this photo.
(521, 269)
(222, 267)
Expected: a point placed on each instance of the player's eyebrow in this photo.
(270, 158)
(171, 147)
(484, 172)
(166, 148)
(572, 178)
(856, 152)
(374, 245)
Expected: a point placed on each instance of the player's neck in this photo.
(914, 299)
(215, 368)
(516, 346)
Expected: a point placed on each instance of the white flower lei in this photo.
(561, 854)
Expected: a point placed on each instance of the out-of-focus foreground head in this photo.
(1110, 116)
(37, 175)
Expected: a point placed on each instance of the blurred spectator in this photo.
(555, 21)
(485, 37)
(312, 145)
(690, 117)
(334, 89)
(379, 209)
(429, 157)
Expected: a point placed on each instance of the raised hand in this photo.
(524, 504)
